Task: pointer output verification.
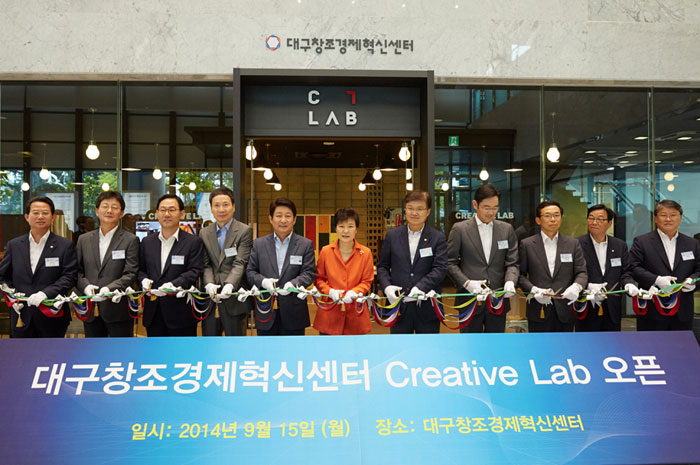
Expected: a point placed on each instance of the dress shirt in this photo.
(35, 249)
(486, 235)
(413, 241)
(166, 246)
(550, 249)
(105, 239)
(669, 245)
(281, 250)
(601, 251)
(221, 233)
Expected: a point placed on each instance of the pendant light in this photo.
(157, 173)
(44, 173)
(483, 174)
(92, 152)
(377, 173)
(404, 153)
(553, 154)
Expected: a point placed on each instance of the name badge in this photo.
(231, 252)
(426, 252)
(51, 262)
(178, 260)
(616, 261)
(566, 258)
(118, 254)
(687, 255)
(295, 259)
(502, 245)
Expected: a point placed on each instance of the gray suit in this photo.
(220, 269)
(466, 261)
(534, 271)
(114, 273)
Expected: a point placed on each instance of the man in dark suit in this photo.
(172, 258)
(606, 266)
(661, 258)
(41, 265)
(227, 243)
(108, 260)
(550, 263)
(482, 255)
(413, 260)
(282, 257)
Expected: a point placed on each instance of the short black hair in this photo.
(180, 203)
(282, 202)
(668, 204)
(486, 191)
(418, 195)
(600, 206)
(106, 195)
(222, 191)
(347, 213)
(548, 203)
(43, 199)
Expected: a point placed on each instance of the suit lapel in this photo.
(177, 246)
(589, 250)
(661, 250)
(116, 239)
(228, 241)
(25, 252)
(678, 259)
(557, 257)
(542, 254)
(475, 238)
(272, 253)
(94, 246)
(48, 251)
(495, 237)
(290, 250)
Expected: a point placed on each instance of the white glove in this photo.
(90, 289)
(104, 290)
(662, 282)
(146, 284)
(17, 306)
(335, 294)
(539, 295)
(269, 284)
(284, 291)
(416, 294)
(475, 287)
(35, 299)
(349, 296)
(392, 293)
(211, 289)
(632, 290)
(226, 291)
(160, 292)
(688, 285)
(647, 295)
(571, 293)
(509, 287)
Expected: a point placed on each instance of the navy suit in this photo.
(16, 271)
(169, 315)
(648, 261)
(616, 275)
(426, 272)
(292, 315)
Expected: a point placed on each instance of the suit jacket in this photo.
(220, 269)
(118, 273)
(616, 272)
(648, 261)
(16, 271)
(293, 312)
(357, 274)
(177, 313)
(534, 271)
(425, 272)
(466, 260)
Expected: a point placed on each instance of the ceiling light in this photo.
(409, 186)
(250, 152)
(328, 142)
(404, 153)
(192, 186)
(362, 187)
(445, 186)
(368, 180)
(641, 138)
(688, 162)
(278, 187)
(44, 173)
(105, 186)
(611, 168)
(671, 187)
(667, 151)
(131, 169)
(438, 120)
(25, 186)
(483, 174)
(588, 162)
(624, 161)
(92, 152)
(268, 174)
(78, 183)
(157, 173)
(553, 154)
(228, 146)
(590, 151)
(668, 176)
(513, 170)
(377, 174)
(631, 152)
(684, 138)
(657, 161)
(273, 180)
(409, 174)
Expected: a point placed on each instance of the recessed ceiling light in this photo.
(684, 138)
(657, 161)
(631, 152)
(513, 170)
(438, 120)
(624, 161)
(590, 151)
(698, 118)
(611, 168)
(228, 146)
(688, 162)
(641, 138)
(131, 169)
(78, 183)
(328, 142)
(588, 162)
(667, 151)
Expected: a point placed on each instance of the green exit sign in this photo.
(453, 141)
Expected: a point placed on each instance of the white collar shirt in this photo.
(105, 240)
(601, 251)
(550, 250)
(414, 241)
(486, 235)
(669, 246)
(166, 245)
(35, 250)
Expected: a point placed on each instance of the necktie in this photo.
(221, 237)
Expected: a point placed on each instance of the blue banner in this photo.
(449, 399)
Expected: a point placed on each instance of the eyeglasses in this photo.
(666, 216)
(416, 210)
(40, 213)
(556, 216)
(106, 207)
(172, 210)
(597, 220)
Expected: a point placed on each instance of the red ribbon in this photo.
(490, 306)
(672, 311)
(640, 310)
(90, 306)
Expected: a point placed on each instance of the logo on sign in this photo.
(272, 42)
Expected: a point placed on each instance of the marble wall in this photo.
(528, 40)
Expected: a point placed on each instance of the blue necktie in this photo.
(221, 237)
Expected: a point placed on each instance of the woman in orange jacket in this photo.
(345, 270)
